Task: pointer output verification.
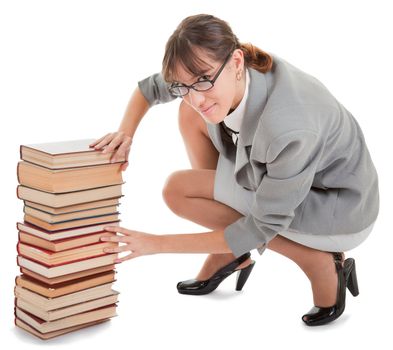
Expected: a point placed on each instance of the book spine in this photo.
(17, 192)
(17, 172)
(20, 152)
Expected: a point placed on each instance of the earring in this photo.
(239, 75)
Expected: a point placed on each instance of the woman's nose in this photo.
(197, 98)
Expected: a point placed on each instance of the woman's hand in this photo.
(139, 243)
(114, 140)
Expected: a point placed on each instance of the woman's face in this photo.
(214, 104)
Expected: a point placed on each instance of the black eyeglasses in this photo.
(201, 85)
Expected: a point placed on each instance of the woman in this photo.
(277, 162)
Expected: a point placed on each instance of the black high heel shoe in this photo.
(195, 287)
(346, 279)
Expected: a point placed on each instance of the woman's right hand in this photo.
(118, 141)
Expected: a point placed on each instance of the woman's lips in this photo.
(208, 109)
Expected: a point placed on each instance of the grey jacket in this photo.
(303, 154)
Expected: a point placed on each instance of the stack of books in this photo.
(70, 193)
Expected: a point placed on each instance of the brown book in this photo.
(55, 218)
(74, 208)
(51, 259)
(62, 244)
(64, 288)
(70, 223)
(60, 313)
(62, 234)
(64, 154)
(49, 304)
(49, 335)
(68, 180)
(63, 323)
(65, 269)
(58, 200)
(53, 281)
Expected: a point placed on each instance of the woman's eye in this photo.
(204, 77)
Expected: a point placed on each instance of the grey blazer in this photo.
(303, 154)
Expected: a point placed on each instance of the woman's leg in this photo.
(202, 155)
(189, 194)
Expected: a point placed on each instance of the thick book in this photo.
(60, 289)
(62, 244)
(64, 154)
(55, 218)
(68, 180)
(70, 277)
(66, 322)
(62, 234)
(65, 269)
(50, 259)
(61, 313)
(74, 208)
(58, 200)
(71, 223)
(49, 335)
(48, 304)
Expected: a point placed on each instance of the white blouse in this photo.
(234, 119)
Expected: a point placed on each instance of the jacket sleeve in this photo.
(155, 89)
(291, 163)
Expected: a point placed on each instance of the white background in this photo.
(67, 71)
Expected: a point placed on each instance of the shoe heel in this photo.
(352, 282)
(242, 276)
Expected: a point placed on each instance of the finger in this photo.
(97, 141)
(124, 166)
(107, 138)
(120, 239)
(120, 249)
(116, 141)
(127, 257)
(118, 229)
(120, 154)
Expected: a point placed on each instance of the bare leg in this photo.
(189, 193)
(203, 155)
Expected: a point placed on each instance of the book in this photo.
(49, 258)
(74, 208)
(62, 234)
(48, 304)
(64, 154)
(49, 335)
(61, 313)
(65, 269)
(55, 218)
(68, 180)
(70, 277)
(62, 244)
(66, 322)
(57, 200)
(63, 288)
(71, 223)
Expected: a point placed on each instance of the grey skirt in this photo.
(229, 192)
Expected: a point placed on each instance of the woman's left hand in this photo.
(139, 243)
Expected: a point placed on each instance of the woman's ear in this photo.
(238, 59)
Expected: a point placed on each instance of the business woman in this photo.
(277, 163)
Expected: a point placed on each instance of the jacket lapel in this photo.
(255, 104)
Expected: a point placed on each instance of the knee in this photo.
(173, 191)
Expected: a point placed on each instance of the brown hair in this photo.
(215, 37)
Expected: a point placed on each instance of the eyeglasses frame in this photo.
(211, 81)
